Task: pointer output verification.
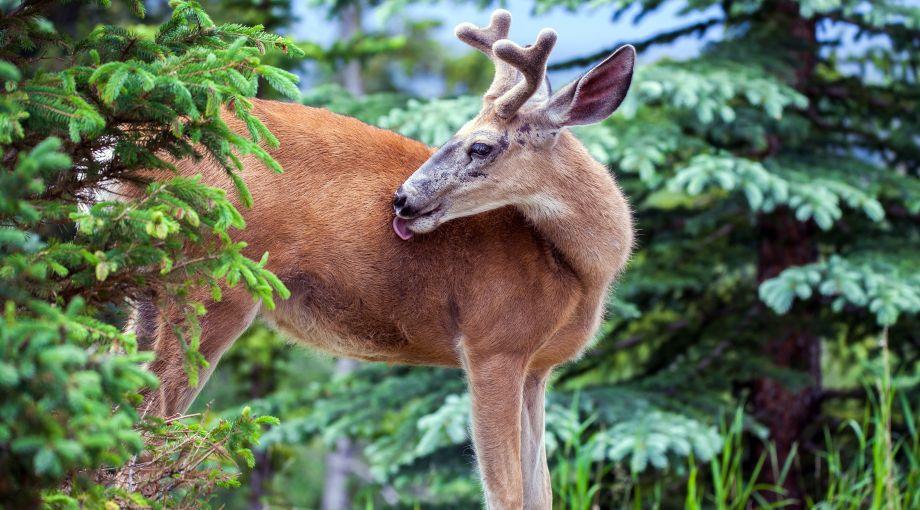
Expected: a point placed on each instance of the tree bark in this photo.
(785, 242)
(786, 411)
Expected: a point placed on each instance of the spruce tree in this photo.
(77, 115)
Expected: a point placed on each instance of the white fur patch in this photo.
(544, 206)
(481, 208)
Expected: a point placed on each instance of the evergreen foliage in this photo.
(76, 115)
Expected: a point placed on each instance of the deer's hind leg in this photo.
(223, 323)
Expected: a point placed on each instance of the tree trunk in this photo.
(349, 27)
(339, 461)
(786, 411)
(787, 242)
(259, 479)
(262, 384)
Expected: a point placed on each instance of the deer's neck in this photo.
(581, 210)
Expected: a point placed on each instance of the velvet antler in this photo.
(531, 62)
(508, 91)
(482, 38)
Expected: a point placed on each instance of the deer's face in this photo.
(500, 157)
(489, 163)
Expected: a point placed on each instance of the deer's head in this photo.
(501, 157)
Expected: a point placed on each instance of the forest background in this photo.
(761, 351)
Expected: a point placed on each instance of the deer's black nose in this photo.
(399, 200)
(400, 204)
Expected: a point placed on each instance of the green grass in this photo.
(863, 464)
(576, 475)
(882, 472)
(729, 486)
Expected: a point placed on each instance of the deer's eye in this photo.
(480, 150)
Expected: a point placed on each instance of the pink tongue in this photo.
(401, 227)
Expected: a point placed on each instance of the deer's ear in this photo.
(594, 96)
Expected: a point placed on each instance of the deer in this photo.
(493, 253)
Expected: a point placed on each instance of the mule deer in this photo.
(498, 258)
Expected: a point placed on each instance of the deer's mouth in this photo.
(421, 223)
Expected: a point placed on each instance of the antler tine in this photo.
(531, 62)
(483, 38)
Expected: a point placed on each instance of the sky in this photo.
(579, 33)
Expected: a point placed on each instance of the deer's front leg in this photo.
(538, 491)
(496, 383)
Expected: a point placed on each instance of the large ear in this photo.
(594, 96)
